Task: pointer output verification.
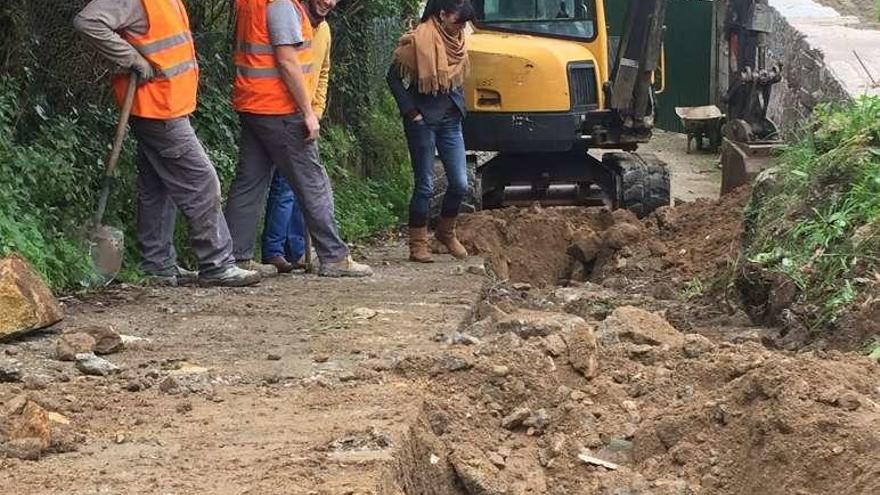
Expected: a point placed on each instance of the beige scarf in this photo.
(433, 57)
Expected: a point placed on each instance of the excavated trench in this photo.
(593, 369)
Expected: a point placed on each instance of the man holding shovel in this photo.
(151, 38)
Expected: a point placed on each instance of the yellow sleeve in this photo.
(319, 102)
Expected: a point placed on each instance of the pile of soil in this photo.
(557, 245)
(551, 403)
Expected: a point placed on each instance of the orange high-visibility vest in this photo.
(168, 46)
(258, 86)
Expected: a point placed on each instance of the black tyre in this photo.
(642, 181)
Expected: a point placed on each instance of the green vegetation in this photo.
(694, 288)
(816, 218)
(56, 121)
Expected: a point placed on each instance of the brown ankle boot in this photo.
(418, 245)
(445, 233)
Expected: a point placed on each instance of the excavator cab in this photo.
(543, 91)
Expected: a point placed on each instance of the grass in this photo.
(817, 220)
(694, 288)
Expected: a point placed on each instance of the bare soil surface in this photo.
(591, 352)
(283, 388)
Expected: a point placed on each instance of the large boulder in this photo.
(26, 303)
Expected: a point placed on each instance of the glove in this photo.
(143, 69)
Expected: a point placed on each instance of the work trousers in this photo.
(278, 141)
(174, 173)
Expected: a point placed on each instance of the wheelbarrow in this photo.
(701, 122)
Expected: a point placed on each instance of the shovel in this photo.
(106, 244)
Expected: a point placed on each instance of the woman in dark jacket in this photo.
(426, 79)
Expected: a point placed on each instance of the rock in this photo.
(29, 431)
(521, 286)
(516, 418)
(528, 323)
(450, 364)
(107, 341)
(481, 327)
(696, 345)
(539, 420)
(10, 372)
(595, 461)
(477, 270)
(640, 327)
(849, 401)
(26, 449)
(621, 235)
(496, 459)
(364, 313)
(169, 385)
(458, 338)
(91, 364)
(320, 358)
(131, 342)
(583, 350)
(554, 345)
(273, 356)
(585, 245)
(500, 371)
(71, 344)
(26, 303)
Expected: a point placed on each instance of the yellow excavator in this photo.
(548, 85)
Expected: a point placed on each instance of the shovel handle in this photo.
(116, 150)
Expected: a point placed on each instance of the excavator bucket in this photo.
(742, 162)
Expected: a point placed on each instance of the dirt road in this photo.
(292, 366)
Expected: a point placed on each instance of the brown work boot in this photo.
(280, 263)
(418, 245)
(445, 233)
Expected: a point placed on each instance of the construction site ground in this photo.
(622, 378)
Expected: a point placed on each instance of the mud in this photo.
(546, 247)
(676, 413)
(611, 386)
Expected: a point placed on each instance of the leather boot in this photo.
(418, 245)
(446, 235)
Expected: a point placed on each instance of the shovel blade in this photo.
(106, 247)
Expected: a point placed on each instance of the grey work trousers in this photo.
(267, 142)
(174, 172)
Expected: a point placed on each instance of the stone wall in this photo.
(806, 79)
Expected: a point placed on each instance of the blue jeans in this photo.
(284, 234)
(446, 137)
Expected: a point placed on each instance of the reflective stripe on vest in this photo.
(168, 47)
(259, 87)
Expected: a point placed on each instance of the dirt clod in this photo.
(640, 327)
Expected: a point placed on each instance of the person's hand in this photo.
(418, 118)
(143, 69)
(313, 127)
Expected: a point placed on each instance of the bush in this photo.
(55, 130)
(817, 220)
